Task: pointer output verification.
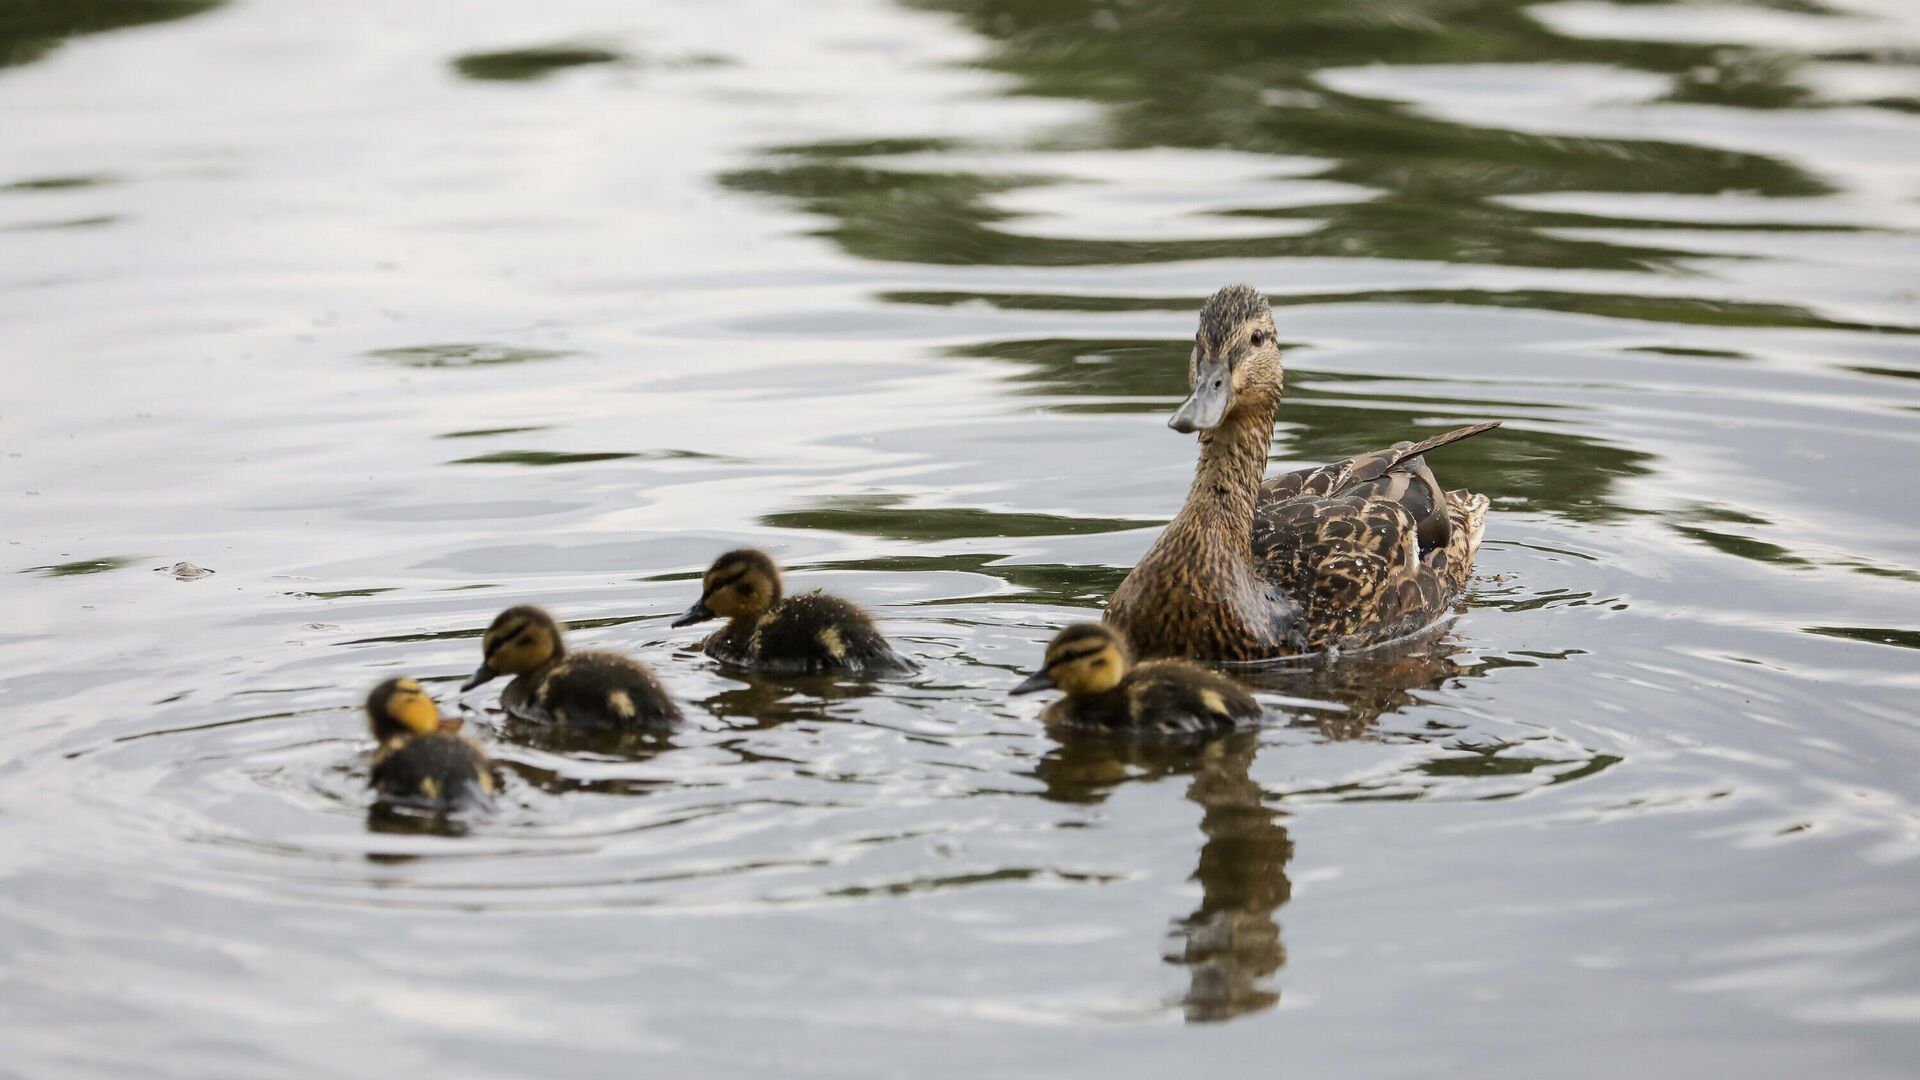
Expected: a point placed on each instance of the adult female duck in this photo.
(1342, 556)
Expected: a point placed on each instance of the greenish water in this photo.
(397, 315)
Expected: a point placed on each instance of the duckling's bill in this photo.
(483, 674)
(1039, 680)
(698, 613)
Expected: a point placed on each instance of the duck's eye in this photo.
(1259, 338)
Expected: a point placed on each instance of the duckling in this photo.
(422, 758)
(1343, 556)
(1107, 691)
(584, 689)
(804, 634)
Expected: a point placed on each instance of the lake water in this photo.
(392, 315)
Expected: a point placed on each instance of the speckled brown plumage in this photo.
(1342, 556)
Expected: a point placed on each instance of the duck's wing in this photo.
(1397, 474)
(1370, 548)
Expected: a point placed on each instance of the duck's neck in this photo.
(1233, 457)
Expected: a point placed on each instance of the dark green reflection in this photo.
(482, 433)
(464, 354)
(540, 457)
(883, 515)
(1875, 635)
(1240, 75)
(58, 183)
(30, 29)
(537, 62)
(1680, 310)
(81, 566)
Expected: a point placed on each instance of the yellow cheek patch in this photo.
(416, 710)
(621, 703)
(830, 641)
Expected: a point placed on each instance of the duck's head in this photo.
(401, 707)
(520, 639)
(741, 583)
(1234, 351)
(1085, 658)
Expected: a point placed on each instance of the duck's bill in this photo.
(1212, 385)
(483, 675)
(699, 612)
(1039, 680)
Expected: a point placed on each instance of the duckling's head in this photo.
(1235, 350)
(741, 583)
(520, 639)
(1085, 658)
(401, 707)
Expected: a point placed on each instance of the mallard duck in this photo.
(1346, 555)
(804, 634)
(584, 689)
(422, 758)
(1107, 691)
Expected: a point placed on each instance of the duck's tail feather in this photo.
(1413, 450)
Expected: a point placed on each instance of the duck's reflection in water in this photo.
(1230, 944)
(387, 819)
(1355, 690)
(562, 743)
(768, 702)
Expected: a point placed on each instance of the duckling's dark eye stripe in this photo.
(723, 583)
(501, 641)
(1072, 656)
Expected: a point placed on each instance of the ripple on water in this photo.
(905, 295)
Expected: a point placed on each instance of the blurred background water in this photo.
(394, 314)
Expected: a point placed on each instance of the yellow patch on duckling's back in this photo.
(621, 703)
(1213, 701)
(830, 641)
(430, 787)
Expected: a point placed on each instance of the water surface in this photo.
(395, 317)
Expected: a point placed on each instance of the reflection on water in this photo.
(1241, 74)
(30, 30)
(537, 62)
(1230, 944)
(903, 292)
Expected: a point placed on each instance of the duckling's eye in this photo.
(1102, 662)
(743, 589)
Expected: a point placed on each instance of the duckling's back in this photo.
(593, 689)
(817, 632)
(441, 770)
(1169, 697)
